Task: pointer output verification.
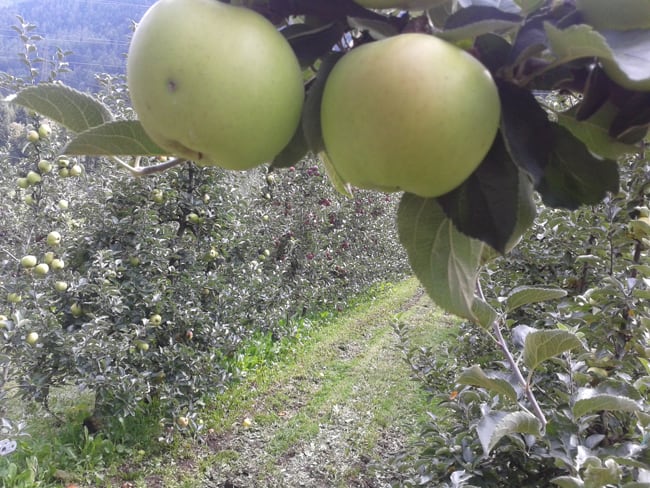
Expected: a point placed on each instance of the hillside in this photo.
(95, 31)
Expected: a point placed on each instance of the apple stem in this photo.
(137, 170)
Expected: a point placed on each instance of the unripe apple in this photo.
(60, 286)
(33, 177)
(44, 130)
(32, 136)
(142, 345)
(63, 204)
(155, 319)
(182, 422)
(76, 170)
(32, 338)
(28, 261)
(48, 257)
(58, 264)
(63, 162)
(193, 218)
(41, 269)
(14, 298)
(134, 261)
(22, 183)
(54, 238)
(44, 166)
(64, 172)
(28, 199)
(214, 83)
(76, 310)
(157, 196)
(409, 113)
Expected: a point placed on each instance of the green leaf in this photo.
(590, 401)
(475, 20)
(574, 176)
(597, 477)
(525, 295)
(445, 260)
(475, 376)
(594, 132)
(72, 109)
(342, 186)
(483, 312)
(576, 42)
(311, 42)
(495, 425)
(377, 29)
(311, 109)
(568, 482)
(126, 137)
(630, 51)
(485, 205)
(545, 344)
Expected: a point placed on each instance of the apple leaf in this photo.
(342, 186)
(525, 295)
(126, 137)
(311, 42)
(545, 344)
(575, 42)
(574, 176)
(633, 118)
(631, 52)
(377, 29)
(475, 376)
(594, 132)
(445, 260)
(474, 21)
(502, 5)
(485, 205)
(590, 401)
(568, 482)
(514, 423)
(72, 109)
(311, 110)
(526, 130)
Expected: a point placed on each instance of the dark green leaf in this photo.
(72, 109)
(630, 51)
(445, 260)
(595, 94)
(574, 176)
(493, 51)
(312, 42)
(526, 130)
(377, 29)
(474, 21)
(114, 139)
(515, 423)
(590, 401)
(525, 295)
(485, 205)
(311, 110)
(545, 344)
(475, 376)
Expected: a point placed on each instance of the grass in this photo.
(343, 385)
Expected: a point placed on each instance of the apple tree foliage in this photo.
(574, 86)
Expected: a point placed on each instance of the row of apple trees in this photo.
(146, 288)
(594, 395)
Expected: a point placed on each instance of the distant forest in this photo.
(96, 32)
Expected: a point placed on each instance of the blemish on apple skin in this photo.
(171, 86)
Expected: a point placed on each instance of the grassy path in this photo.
(327, 417)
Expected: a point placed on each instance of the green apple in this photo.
(41, 269)
(182, 422)
(142, 345)
(63, 162)
(63, 204)
(64, 172)
(48, 257)
(14, 298)
(157, 196)
(32, 136)
(193, 218)
(33, 177)
(155, 319)
(44, 166)
(409, 113)
(54, 238)
(28, 261)
(60, 286)
(76, 170)
(214, 83)
(403, 4)
(28, 199)
(134, 261)
(32, 338)
(22, 183)
(76, 310)
(58, 264)
(615, 14)
(44, 130)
